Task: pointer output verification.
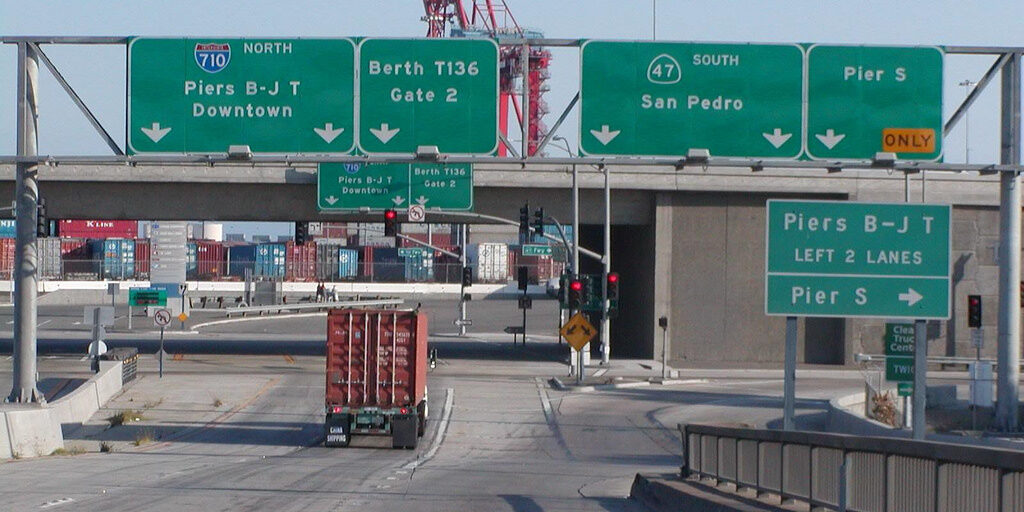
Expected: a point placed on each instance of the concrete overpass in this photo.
(689, 243)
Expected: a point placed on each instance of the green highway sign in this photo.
(653, 98)
(428, 92)
(147, 297)
(274, 95)
(899, 339)
(899, 369)
(444, 186)
(536, 250)
(905, 389)
(411, 252)
(439, 186)
(846, 259)
(866, 99)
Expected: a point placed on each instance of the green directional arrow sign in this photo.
(147, 297)
(831, 258)
(381, 186)
(355, 186)
(862, 100)
(536, 250)
(651, 98)
(444, 186)
(274, 95)
(428, 92)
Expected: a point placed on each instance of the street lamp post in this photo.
(967, 85)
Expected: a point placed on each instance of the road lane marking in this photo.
(442, 430)
(54, 503)
(290, 359)
(250, 318)
(549, 417)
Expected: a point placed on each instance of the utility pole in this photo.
(1008, 341)
(26, 199)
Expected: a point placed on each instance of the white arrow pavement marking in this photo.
(398, 200)
(383, 133)
(331, 200)
(328, 133)
(829, 138)
(911, 297)
(777, 138)
(155, 133)
(605, 136)
(422, 200)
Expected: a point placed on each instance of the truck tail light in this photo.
(336, 409)
(404, 410)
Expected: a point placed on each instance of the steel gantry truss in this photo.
(1007, 65)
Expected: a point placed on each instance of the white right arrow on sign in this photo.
(604, 136)
(911, 297)
(830, 138)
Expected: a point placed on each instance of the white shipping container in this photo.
(49, 257)
(489, 262)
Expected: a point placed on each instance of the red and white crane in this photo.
(492, 18)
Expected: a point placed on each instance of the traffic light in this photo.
(42, 224)
(974, 311)
(524, 224)
(301, 232)
(613, 286)
(524, 277)
(576, 293)
(538, 222)
(390, 223)
(467, 277)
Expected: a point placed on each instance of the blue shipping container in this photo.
(420, 266)
(241, 257)
(7, 229)
(114, 258)
(348, 263)
(270, 260)
(387, 265)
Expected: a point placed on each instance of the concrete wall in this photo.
(35, 430)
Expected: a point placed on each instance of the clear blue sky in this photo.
(98, 73)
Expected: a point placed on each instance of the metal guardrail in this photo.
(312, 305)
(842, 472)
(941, 360)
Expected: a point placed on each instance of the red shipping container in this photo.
(142, 252)
(540, 268)
(77, 257)
(366, 262)
(300, 261)
(332, 230)
(376, 358)
(6, 257)
(98, 228)
(210, 259)
(436, 239)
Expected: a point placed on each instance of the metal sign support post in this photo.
(462, 259)
(129, 316)
(920, 379)
(524, 317)
(161, 358)
(789, 383)
(25, 278)
(576, 253)
(607, 260)
(1008, 347)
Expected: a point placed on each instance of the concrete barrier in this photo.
(843, 419)
(33, 430)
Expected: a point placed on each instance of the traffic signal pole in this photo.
(1008, 344)
(607, 260)
(24, 275)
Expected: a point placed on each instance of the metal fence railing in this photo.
(842, 472)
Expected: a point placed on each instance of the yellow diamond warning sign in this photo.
(578, 331)
(182, 317)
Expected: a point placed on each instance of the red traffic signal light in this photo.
(613, 286)
(974, 311)
(575, 294)
(390, 223)
(576, 286)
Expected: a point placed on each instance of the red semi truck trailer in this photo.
(376, 375)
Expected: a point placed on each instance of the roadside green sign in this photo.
(352, 186)
(899, 369)
(411, 252)
(536, 250)
(899, 339)
(147, 297)
(905, 389)
(428, 92)
(865, 99)
(274, 95)
(653, 98)
(847, 259)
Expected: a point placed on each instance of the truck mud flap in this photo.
(338, 430)
(404, 429)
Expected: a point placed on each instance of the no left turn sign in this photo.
(162, 317)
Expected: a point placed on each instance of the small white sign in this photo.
(162, 317)
(417, 213)
(978, 337)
